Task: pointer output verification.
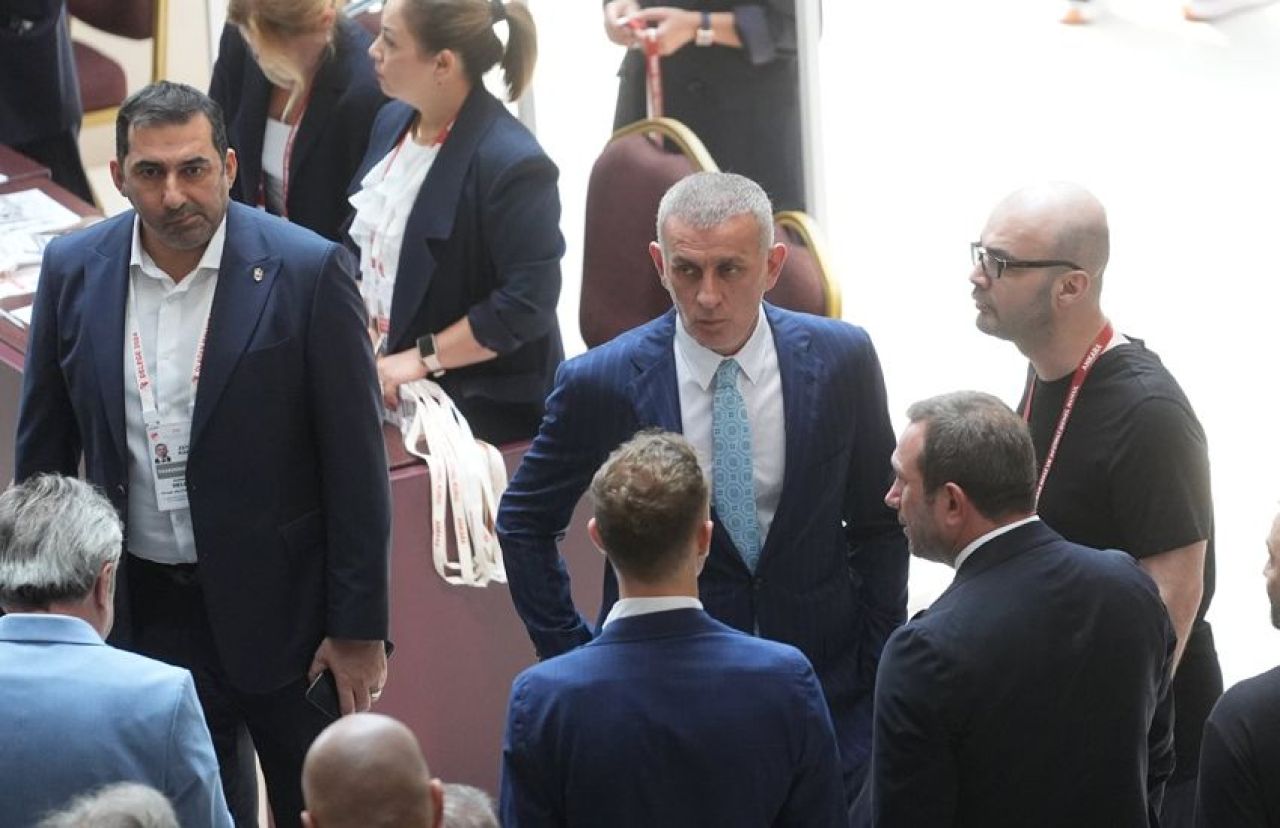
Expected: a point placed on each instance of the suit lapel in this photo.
(654, 389)
(799, 368)
(323, 97)
(106, 290)
(238, 301)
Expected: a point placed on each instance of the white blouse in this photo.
(383, 203)
(274, 142)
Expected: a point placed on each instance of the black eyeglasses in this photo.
(986, 259)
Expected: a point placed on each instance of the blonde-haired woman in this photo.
(298, 93)
(457, 217)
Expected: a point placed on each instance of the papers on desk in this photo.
(28, 220)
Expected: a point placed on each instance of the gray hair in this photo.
(975, 441)
(55, 535)
(709, 199)
(122, 805)
(468, 807)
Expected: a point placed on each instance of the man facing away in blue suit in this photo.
(668, 717)
(257, 556)
(76, 713)
(1028, 693)
(786, 412)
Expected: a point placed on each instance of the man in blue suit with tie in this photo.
(668, 717)
(786, 411)
(257, 556)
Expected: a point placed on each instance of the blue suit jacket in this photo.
(482, 241)
(1027, 694)
(671, 719)
(832, 575)
(77, 714)
(331, 138)
(287, 475)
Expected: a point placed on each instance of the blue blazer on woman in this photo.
(331, 138)
(483, 240)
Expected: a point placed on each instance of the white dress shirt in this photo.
(761, 386)
(993, 534)
(631, 607)
(171, 318)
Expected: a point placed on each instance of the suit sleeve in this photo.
(522, 226)
(817, 796)
(192, 781)
(528, 794)
(766, 29)
(539, 503)
(914, 774)
(1229, 792)
(48, 437)
(346, 404)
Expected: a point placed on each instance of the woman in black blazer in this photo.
(457, 217)
(297, 89)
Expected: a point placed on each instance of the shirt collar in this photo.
(630, 607)
(211, 260)
(992, 535)
(702, 362)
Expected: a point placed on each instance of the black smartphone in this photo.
(323, 692)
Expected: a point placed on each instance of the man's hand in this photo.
(675, 28)
(616, 13)
(396, 370)
(359, 668)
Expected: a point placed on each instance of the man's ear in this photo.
(435, 789)
(307, 821)
(117, 175)
(777, 257)
(659, 264)
(593, 532)
(1073, 286)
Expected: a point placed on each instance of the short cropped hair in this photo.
(168, 103)
(121, 805)
(468, 807)
(709, 199)
(975, 441)
(650, 496)
(55, 535)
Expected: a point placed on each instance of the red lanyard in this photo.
(1077, 381)
(652, 66)
(288, 156)
(374, 259)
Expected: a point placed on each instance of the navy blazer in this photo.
(832, 574)
(482, 241)
(287, 475)
(1027, 694)
(671, 719)
(331, 138)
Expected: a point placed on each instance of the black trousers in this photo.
(169, 623)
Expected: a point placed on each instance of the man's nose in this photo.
(174, 197)
(708, 291)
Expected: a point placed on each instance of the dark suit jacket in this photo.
(331, 138)
(287, 474)
(1240, 757)
(1027, 694)
(482, 241)
(671, 719)
(832, 574)
(39, 91)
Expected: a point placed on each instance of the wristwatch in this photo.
(427, 353)
(705, 35)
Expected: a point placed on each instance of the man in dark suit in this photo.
(258, 555)
(668, 717)
(1240, 755)
(1027, 694)
(787, 413)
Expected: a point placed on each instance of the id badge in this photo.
(169, 444)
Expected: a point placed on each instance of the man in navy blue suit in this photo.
(787, 414)
(668, 717)
(1027, 694)
(257, 557)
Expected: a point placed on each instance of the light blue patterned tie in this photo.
(732, 483)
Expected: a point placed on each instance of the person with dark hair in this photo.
(1123, 460)
(76, 713)
(669, 717)
(257, 556)
(729, 73)
(298, 93)
(787, 412)
(40, 109)
(1028, 693)
(1240, 759)
(457, 217)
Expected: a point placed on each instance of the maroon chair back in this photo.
(804, 284)
(127, 18)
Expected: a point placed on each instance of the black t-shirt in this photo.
(1240, 759)
(1132, 470)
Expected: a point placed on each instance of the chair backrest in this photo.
(620, 288)
(127, 18)
(806, 283)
